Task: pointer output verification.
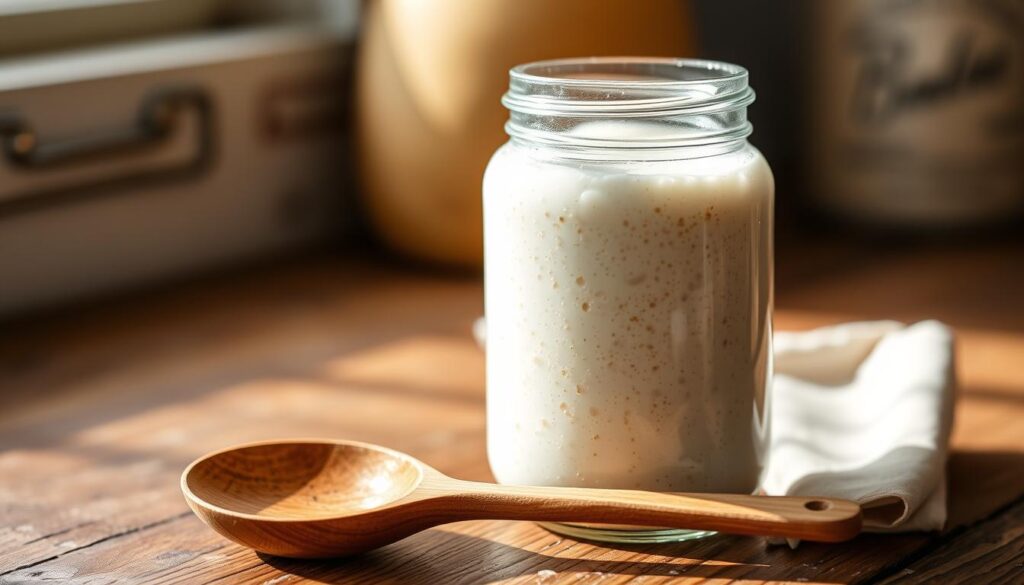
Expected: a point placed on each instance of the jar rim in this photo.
(717, 71)
(627, 86)
(691, 102)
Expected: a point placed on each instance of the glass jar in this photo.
(628, 263)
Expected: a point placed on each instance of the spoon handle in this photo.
(807, 518)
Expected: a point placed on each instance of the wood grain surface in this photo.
(101, 407)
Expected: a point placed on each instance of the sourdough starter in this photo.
(628, 319)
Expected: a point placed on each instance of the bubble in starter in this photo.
(592, 204)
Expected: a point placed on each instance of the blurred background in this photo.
(145, 142)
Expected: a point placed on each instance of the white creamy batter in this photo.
(628, 318)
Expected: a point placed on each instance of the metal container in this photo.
(129, 163)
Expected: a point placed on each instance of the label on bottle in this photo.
(918, 110)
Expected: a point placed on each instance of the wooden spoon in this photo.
(324, 498)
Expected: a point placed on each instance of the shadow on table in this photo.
(980, 483)
(441, 556)
(451, 557)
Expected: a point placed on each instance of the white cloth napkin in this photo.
(863, 411)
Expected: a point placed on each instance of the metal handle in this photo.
(155, 123)
(156, 120)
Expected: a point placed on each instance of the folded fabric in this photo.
(863, 411)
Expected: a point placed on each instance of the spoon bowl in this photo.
(302, 480)
(326, 498)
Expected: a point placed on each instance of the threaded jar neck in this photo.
(633, 107)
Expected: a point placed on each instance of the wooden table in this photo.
(102, 407)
